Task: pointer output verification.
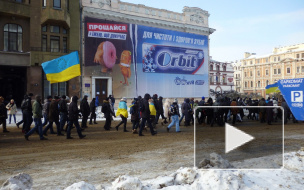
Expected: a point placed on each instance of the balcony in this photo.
(15, 8)
(58, 15)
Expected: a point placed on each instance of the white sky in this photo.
(245, 25)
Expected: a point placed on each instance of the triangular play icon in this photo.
(235, 138)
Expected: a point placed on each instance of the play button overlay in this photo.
(249, 143)
(235, 138)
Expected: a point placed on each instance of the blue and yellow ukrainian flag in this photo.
(272, 88)
(63, 68)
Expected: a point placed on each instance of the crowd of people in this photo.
(145, 113)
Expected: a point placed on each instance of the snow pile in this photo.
(126, 182)
(20, 181)
(162, 181)
(185, 176)
(216, 161)
(295, 160)
(81, 186)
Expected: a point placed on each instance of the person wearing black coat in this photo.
(187, 112)
(92, 110)
(3, 115)
(73, 118)
(53, 118)
(135, 116)
(85, 111)
(22, 121)
(160, 111)
(27, 113)
(108, 112)
(63, 111)
(145, 114)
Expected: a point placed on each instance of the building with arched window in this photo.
(33, 32)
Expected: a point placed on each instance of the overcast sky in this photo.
(244, 25)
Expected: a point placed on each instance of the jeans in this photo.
(50, 126)
(46, 119)
(70, 124)
(174, 121)
(63, 119)
(10, 116)
(181, 119)
(28, 119)
(38, 125)
(123, 121)
(84, 121)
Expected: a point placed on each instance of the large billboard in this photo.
(143, 59)
(171, 63)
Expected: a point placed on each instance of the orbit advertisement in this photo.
(171, 63)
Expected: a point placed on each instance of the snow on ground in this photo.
(290, 177)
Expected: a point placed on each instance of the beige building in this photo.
(254, 73)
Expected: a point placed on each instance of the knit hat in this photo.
(203, 98)
(124, 99)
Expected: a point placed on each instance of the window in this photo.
(275, 71)
(250, 62)
(217, 67)
(302, 55)
(64, 31)
(258, 73)
(12, 37)
(266, 60)
(65, 45)
(251, 83)
(211, 67)
(288, 70)
(44, 28)
(266, 72)
(217, 79)
(43, 3)
(44, 42)
(279, 71)
(244, 62)
(245, 74)
(251, 73)
(302, 69)
(257, 61)
(55, 45)
(298, 56)
(245, 84)
(259, 84)
(274, 58)
(57, 4)
(68, 5)
(224, 68)
(267, 82)
(55, 29)
(224, 79)
(279, 58)
(298, 69)
(211, 79)
(56, 89)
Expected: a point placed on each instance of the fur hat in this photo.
(124, 99)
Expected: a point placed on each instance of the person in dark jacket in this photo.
(53, 118)
(63, 111)
(85, 111)
(46, 109)
(92, 110)
(269, 112)
(112, 100)
(135, 116)
(27, 113)
(174, 111)
(3, 115)
(187, 112)
(160, 111)
(37, 113)
(73, 118)
(108, 112)
(262, 110)
(145, 114)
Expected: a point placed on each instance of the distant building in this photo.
(256, 72)
(221, 78)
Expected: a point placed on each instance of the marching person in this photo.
(27, 113)
(174, 112)
(122, 111)
(3, 115)
(135, 116)
(53, 118)
(85, 111)
(73, 119)
(167, 109)
(63, 111)
(22, 121)
(46, 109)
(92, 110)
(108, 112)
(12, 110)
(37, 113)
(145, 114)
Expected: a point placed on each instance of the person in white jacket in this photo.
(167, 108)
(12, 110)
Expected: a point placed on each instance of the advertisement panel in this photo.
(292, 91)
(109, 51)
(171, 63)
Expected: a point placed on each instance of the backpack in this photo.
(141, 106)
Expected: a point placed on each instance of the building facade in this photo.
(258, 71)
(32, 32)
(130, 19)
(221, 77)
